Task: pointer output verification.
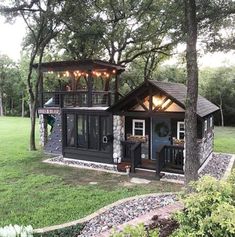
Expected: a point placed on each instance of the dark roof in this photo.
(86, 64)
(176, 91)
(179, 92)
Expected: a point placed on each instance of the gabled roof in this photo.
(85, 64)
(175, 91)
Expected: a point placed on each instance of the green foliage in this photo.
(136, 231)
(16, 231)
(209, 210)
(218, 86)
(171, 74)
(72, 231)
(11, 86)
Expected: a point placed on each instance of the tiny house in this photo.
(92, 121)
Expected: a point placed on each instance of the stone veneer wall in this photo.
(43, 130)
(52, 143)
(118, 136)
(205, 147)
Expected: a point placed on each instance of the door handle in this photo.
(105, 139)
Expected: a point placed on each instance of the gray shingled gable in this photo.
(178, 91)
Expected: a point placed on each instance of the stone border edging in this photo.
(229, 168)
(48, 161)
(98, 212)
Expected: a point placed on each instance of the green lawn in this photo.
(225, 139)
(32, 192)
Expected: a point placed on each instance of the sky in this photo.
(11, 36)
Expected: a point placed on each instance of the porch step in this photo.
(145, 173)
(174, 171)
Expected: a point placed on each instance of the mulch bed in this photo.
(166, 226)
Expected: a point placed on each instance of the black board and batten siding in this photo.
(87, 135)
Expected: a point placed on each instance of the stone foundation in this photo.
(43, 130)
(205, 147)
(52, 143)
(118, 136)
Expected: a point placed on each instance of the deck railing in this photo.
(75, 98)
(132, 153)
(171, 157)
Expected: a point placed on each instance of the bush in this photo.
(72, 231)
(136, 231)
(16, 231)
(209, 210)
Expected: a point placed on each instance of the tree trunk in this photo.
(1, 104)
(32, 145)
(22, 106)
(221, 111)
(192, 158)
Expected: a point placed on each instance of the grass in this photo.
(32, 192)
(225, 139)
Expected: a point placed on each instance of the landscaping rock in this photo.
(216, 166)
(125, 212)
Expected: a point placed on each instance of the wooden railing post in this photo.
(132, 161)
(61, 100)
(109, 98)
(158, 170)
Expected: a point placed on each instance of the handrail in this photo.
(132, 153)
(170, 156)
(135, 156)
(75, 98)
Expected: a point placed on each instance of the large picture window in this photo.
(82, 130)
(138, 127)
(180, 130)
(93, 132)
(70, 130)
(88, 131)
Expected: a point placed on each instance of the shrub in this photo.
(71, 231)
(136, 231)
(16, 231)
(209, 210)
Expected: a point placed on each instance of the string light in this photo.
(78, 73)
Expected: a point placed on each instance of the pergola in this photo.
(88, 69)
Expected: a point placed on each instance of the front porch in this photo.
(170, 159)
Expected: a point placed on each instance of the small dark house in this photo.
(90, 120)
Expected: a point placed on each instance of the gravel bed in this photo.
(65, 161)
(216, 166)
(125, 212)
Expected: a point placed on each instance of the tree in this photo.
(8, 77)
(191, 159)
(39, 17)
(218, 85)
(121, 31)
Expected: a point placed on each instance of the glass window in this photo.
(82, 130)
(205, 126)
(180, 130)
(211, 122)
(106, 133)
(138, 127)
(70, 125)
(93, 132)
